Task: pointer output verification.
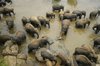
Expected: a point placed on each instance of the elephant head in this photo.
(62, 7)
(61, 17)
(48, 22)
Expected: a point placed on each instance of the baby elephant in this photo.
(25, 20)
(31, 29)
(50, 15)
(47, 55)
(8, 11)
(64, 59)
(81, 59)
(36, 43)
(19, 37)
(44, 21)
(82, 23)
(10, 23)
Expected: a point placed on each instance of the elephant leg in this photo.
(79, 17)
(84, 25)
(61, 62)
(9, 13)
(71, 19)
(66, 32)
(43, 58)
(44, 24)
(95, 43)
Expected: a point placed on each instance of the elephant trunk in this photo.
(37, 35)
(48, 25)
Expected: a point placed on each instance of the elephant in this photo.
(58, 7)
(82, 23)
(25, 20)
(44, 21)
(4, 38)
(31, 29)
(19, 37)
(10, 23)
(82, 59)
(79, 13)
(48, 63)
(69, 16)
(50, 15)
(96, 41)
(67, 11)
(8, 11)
(96, 27)
(36, 43)
(93, 14)
(65, 26)
(1, 12)
(47, 55)
(2, 3)
(35, 22)
(64, 59)
(87, 51)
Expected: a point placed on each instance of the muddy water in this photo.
(74, 38)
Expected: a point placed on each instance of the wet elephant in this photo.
(50, 15)
(19, 37)
(82, 23)
(96, 27)
(69, 16)
(96, 41)
(67, 11)
(10, 23)
(35, 22)
(46, 55)
(4, 38)
(81, 59)
(65, 26)
(79, 13)
(8, 11)
(31, 29)
(44, 21)
(93, 14)
(25, 20)
(36, 43)
(64, 59)
(57, 7)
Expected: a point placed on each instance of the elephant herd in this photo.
(83, 55)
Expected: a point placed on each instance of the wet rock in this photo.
(10, 51)
(10, 60)
(38, 54)
(98, 60)
(22, 56)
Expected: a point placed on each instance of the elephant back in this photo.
(66, 22)
(33, 19)
(56, 5)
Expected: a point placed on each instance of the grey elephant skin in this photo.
(10, 23)
(31, 29)
(36, 43)
(44, 21)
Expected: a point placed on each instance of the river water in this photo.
(74, 38)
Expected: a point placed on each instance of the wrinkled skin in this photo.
(87, 51)
(25, 20)
(93, 56)
(47, 55)
(79, 13)
(96, 27)
(96, 41)
(44, 21)
(4, 38)
(82, 23)
(65, 26)
(93, 14)
(31, 29)
(36, 43)
(35, 22)
(81, 59)
(19, 37)
(2, 3)
(8, 11)
(69, 16)
(50, 15)
(10, 23)
(48, 63)
(58, 7)
(64, 59)
(1, 12)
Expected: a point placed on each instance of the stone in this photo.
(22, 56)
(38, 54)
(10, 60)
(10, 51)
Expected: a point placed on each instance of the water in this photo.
(74, 38)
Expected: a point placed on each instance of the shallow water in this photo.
(74, 38)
